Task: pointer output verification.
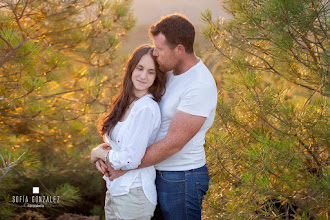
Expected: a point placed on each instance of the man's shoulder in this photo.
(201, 74)
(203, 78)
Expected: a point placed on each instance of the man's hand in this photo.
(99, 152)
(107, 170)
(113, 174)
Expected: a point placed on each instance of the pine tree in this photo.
(268, 151)
(59, 69)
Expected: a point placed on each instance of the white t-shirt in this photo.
(193, 92)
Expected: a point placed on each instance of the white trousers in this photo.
(133, 205)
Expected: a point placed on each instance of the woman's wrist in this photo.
(101, 153)
(106, 158)
(98, 153)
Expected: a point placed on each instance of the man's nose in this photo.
(155, 53)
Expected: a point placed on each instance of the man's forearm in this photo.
(158, 152)
(182, 129)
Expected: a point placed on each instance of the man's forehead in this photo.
(159, 38)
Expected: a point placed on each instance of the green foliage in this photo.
(97, 210)
(69, 195)
(268, 150)
(58, 70)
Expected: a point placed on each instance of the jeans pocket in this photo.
(201, 188)
(172, 176)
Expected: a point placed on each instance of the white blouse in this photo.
(135, 134)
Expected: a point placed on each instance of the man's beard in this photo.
(163, 68)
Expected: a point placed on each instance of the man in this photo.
(188, 109)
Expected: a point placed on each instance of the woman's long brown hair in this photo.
(126, 95)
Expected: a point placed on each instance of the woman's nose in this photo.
(143, 74)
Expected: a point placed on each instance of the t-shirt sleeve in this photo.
(199, 99)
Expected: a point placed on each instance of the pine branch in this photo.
(7, 42)
(11, 54)
(17, 18)
(8, 166)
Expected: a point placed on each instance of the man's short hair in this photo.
(177, 29)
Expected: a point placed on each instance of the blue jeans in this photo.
(180, 193)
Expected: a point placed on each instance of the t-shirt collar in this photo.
(191, 69)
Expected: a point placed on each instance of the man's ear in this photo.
(180, 49)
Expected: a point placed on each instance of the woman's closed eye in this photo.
(139, 68)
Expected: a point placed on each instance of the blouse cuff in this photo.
(117, 162)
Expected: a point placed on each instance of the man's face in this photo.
(166, 57)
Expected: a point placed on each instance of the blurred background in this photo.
(61, 64)
(149, 12)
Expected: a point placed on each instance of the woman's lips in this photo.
(141, 82)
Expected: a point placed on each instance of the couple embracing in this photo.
(154, 134)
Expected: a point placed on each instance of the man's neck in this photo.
(185, 64)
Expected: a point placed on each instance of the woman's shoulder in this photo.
(147, 101)
(146, 106)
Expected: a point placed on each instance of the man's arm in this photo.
(182, 129)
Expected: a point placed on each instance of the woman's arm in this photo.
(99, 152)
(134, 143)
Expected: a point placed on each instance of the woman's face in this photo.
(143, 75)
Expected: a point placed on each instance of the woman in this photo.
(129, 128)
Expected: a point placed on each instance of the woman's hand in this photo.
(102, 167)
(97, 157)
(99, 152)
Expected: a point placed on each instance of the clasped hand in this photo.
(97, 157)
